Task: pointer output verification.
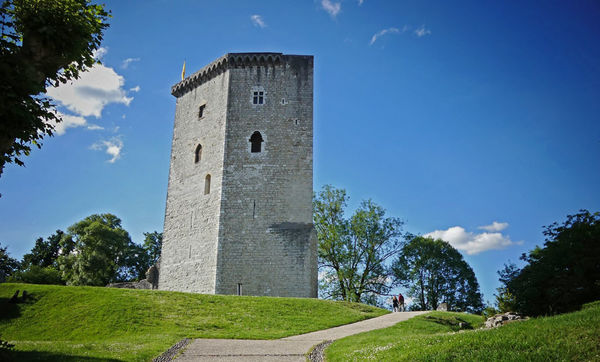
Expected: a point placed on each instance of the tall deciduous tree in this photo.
(40, 265)
(436, 273)
(7, 264)
(141, 258)
(353, 252)
(43, 42)
(152, 245)
(565, 273)
(97, 251)
(45, 252)
(505, 300)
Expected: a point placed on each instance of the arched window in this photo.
(207, 185)
(198, 154)
(255, 142)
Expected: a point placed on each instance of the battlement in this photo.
(229, 61)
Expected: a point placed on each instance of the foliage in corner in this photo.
(565, 273)
(43, 42)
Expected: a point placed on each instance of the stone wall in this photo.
(189, 252)
(266, 241)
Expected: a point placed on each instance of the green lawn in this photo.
(433, 337)
(91, 324)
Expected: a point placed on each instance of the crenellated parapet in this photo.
(227, 61)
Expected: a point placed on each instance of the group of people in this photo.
(398, 303)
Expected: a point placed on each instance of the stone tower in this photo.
(239, 204)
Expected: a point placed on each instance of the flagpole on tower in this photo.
(183, 71)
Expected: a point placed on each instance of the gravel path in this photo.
(293, 348)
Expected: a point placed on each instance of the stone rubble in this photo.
(142, 284)
(502, 319)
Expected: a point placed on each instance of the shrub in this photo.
(37, 275)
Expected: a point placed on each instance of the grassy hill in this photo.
(92, 324)
(431, 337)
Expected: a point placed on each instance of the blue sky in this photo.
(451, 115)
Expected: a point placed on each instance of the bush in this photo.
(489, 311)
(37, 275)
(564, 274)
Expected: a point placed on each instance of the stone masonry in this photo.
(239, 220)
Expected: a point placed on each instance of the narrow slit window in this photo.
(239, 289)
(258, 97)
(201, 111)
(198, 154)
(255, 142)
(207, 185)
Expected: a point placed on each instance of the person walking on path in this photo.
(400, 301)
(395, 303)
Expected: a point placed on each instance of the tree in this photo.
(565, 273)
(36, 274)
(40, 266)
(152, 245)
(141, 258)
(505, 300)
(97, 251)
(45, 252)
(435, 272)
(43, 42)
(353, 252)
(7, 264)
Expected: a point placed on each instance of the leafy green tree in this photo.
(45, 252)
(137, 262)
(7, 264)
(436, 273)
(43, 42)
(353, 252)
(36, 274)
(40, 266)
(97, 251)
(505, 300)
(565, 273)
(152, 245)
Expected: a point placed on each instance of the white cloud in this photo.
(71, 121)
(88, 95)
(421, 31)
(257, 20)
(112, 147)
(360, 2)
(472, 243)
(68, 121)
(99, 53)
(128, 61)
(495, 226)
(94, 127)
(332, 8)
(386, 31)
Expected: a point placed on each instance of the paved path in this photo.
(286, 349)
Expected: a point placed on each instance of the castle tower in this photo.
(239, 204)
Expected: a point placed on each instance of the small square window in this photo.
(258, 97)
(201, 111)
